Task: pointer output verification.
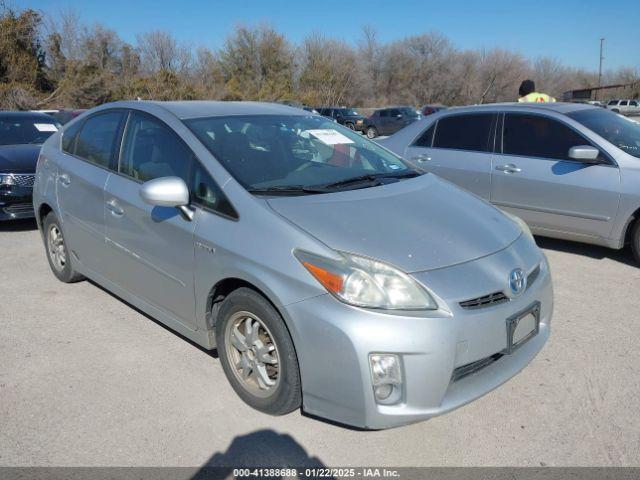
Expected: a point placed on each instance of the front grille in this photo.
(23, 179)
(495, 298)
(531, 278)
(470, 368)
(18, 208)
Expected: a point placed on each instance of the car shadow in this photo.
(22, 225)
(623, 256)
(261, 449)
(212, 353)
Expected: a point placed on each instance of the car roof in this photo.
(558, 107)
(25, 115)
(206, 108)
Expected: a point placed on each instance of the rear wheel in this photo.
(351, 126)
(58, 254)
(372, 132)
(257, 353)
(635, 241)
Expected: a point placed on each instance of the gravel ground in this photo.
(87, 380)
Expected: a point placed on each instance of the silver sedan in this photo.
(329, 273)
(570, 171)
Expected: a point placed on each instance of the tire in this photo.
(250, 335)
(371, 132)
(615, 110)
(58, 255)
(635, 241)
(351, 126)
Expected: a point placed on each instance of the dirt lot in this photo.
(87, 380)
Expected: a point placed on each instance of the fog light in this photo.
(383, 391)
(386, 377)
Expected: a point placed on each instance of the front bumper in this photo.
(334, 340)
(16, 202)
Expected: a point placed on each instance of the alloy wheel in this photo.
(56, 248)
(253, 354)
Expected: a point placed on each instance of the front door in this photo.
(534, 178)
(151, 248)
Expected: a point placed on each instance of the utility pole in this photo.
(600, 67)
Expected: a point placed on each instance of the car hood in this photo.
(418, 224)
(19, 158)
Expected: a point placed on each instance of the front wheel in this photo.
(257, 353)
(372, 132)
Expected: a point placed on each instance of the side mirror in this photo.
(167, 192)
(584, 153)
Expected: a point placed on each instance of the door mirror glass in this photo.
(584, 153)
(165, 192)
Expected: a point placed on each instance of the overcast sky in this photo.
(568, 30)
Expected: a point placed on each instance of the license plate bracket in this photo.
(522, 326)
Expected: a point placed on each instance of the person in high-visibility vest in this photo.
(528, 93)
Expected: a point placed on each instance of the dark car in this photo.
(387, 121)
(21, 136)
(344, 116)
(431, 109)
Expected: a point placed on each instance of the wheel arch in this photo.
(43, 210)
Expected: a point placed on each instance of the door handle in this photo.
(115, 208)
(509, 168)
(421, 157)
(65, 179)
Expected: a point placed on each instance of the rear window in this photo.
(97, 139)
(464, 132)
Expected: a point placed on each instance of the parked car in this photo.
(328, 272)
(431, 109)
(21, 136)
(344, 116)
(62, 116)
(624, 107)
(387, 121)
(569, 170)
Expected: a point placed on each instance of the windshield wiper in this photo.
(287, 189)
(371, 178)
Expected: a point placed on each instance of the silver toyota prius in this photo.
(328, 273)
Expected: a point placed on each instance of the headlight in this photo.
(368, 283)
(6, 179)
(525, 228)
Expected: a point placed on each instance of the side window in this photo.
(393, 112)
(152, 150)
(69, 136)
(613, 102)
(98, 137)
(537, 136)
(633, 103)
(206, 192)
(624, 103)
(426, 139)
(464, 132)
(384, 113)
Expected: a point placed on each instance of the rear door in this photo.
(83, 171)
(151, 248)
(534, 178)
(458, 148)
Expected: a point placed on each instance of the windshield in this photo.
(301, 152)
(348, 112)
(618, 130)
(21, 130)
(409, 112)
